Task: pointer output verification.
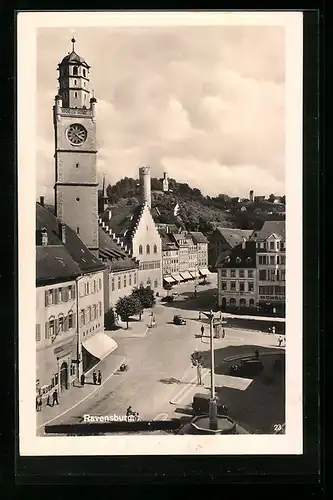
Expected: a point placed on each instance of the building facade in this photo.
(223, 239)
(271, 267)
(236, 278)
(201, 243)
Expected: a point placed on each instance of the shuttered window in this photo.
(38, 333)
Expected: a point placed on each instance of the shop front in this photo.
(274, 305)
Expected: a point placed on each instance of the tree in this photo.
(197, 361)
(145, 297)
(271, 198)
(127, 307)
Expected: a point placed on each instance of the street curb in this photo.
(243, 356)
(83, 399)
(184, 390)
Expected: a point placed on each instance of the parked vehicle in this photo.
(178, 320)
(167, 298)
(247, 368)
(200, 405)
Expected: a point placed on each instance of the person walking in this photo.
(223, 333)
(55, 397)
(202, 330)
(94, 378)
(129, 411)
(256, 353)
(99, 377)
(280, 341)
(82, 379)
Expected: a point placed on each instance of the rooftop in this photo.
(277, 227)
(238, 257)
(234, 236)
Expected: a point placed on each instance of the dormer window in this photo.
(227, 259)
(238, 260)
(248, 260)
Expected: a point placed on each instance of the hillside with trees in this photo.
(196, 212)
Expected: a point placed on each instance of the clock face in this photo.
(76, 134)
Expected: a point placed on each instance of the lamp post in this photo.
(195, 280)
(78, 339)
(212, 403)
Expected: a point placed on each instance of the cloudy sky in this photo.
(205, 104)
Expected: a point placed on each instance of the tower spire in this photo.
(73, 44)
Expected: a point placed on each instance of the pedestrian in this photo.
(202, 330)
(129, 411)
(223, 333)
(94, 378)
(199, 376)
(280, 341)
(256, 353)
(82, 379)
(99, 377)
(55, 397)
(37, 404)
(199, 315)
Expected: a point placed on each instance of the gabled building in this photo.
(170, 253)
(236, 277)
(135, 230)
(223, 239)
(271, 266)
(69, 305)
(201, 243)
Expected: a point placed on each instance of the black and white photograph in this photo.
(160, 238)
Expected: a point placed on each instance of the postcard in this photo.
(160, 245)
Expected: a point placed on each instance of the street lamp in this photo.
(195, 280)
(212, 403)
(78, 339)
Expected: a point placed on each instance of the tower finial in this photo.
(73, 44)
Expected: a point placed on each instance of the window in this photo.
(49, 297)
(57, 296)
(262, 274)
(263, 259)
(233, 285)
(75, 94)
(100, 283)
(278, 245)
(75, 72)
(224, 285)
(233, 273)
(87, 289)
(49, 332)
(60, 324)
(70, 320)
(283, 260)
(224, 273)
(76, 165)
(119, 282)
(250, 287)
(71, 292)
(84, 72)
(82, 318)
(112, 284)
(241, 286)
(77, 199)
(272, 245)
(95, 286)
(94, 311)
(147, 249)
(241, 273)
(155, 248)
(75, 82)
(134, 279)
(130, 280)
(282, 275)
(140, 249)
(100, 308)
(272, 259)
(37, 333)
(250, 274)
(125, 281)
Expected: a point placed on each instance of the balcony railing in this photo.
(76, 111)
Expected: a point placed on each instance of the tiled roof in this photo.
(74, 246)
(277, 227)
(198, 237)
(53, 263)
(123, 221)
(238, 257)
(234, 236)
(167, 240)
(117, 257)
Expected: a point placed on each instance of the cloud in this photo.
(205, 103)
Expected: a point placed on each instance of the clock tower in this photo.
(76, 200)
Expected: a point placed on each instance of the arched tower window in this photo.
(140, 249)
(75, 70)
(148, 249)
(84, 72)
(155, 248)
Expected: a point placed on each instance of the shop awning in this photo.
(186, 275)
(100, 345)
(169, 279)
(204, 272)
(177, 277)
(194, 274)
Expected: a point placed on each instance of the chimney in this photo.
(44, 236)
(144, 173)
(63, 233)
(243, 243)
(41, 200)
(251, 197)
